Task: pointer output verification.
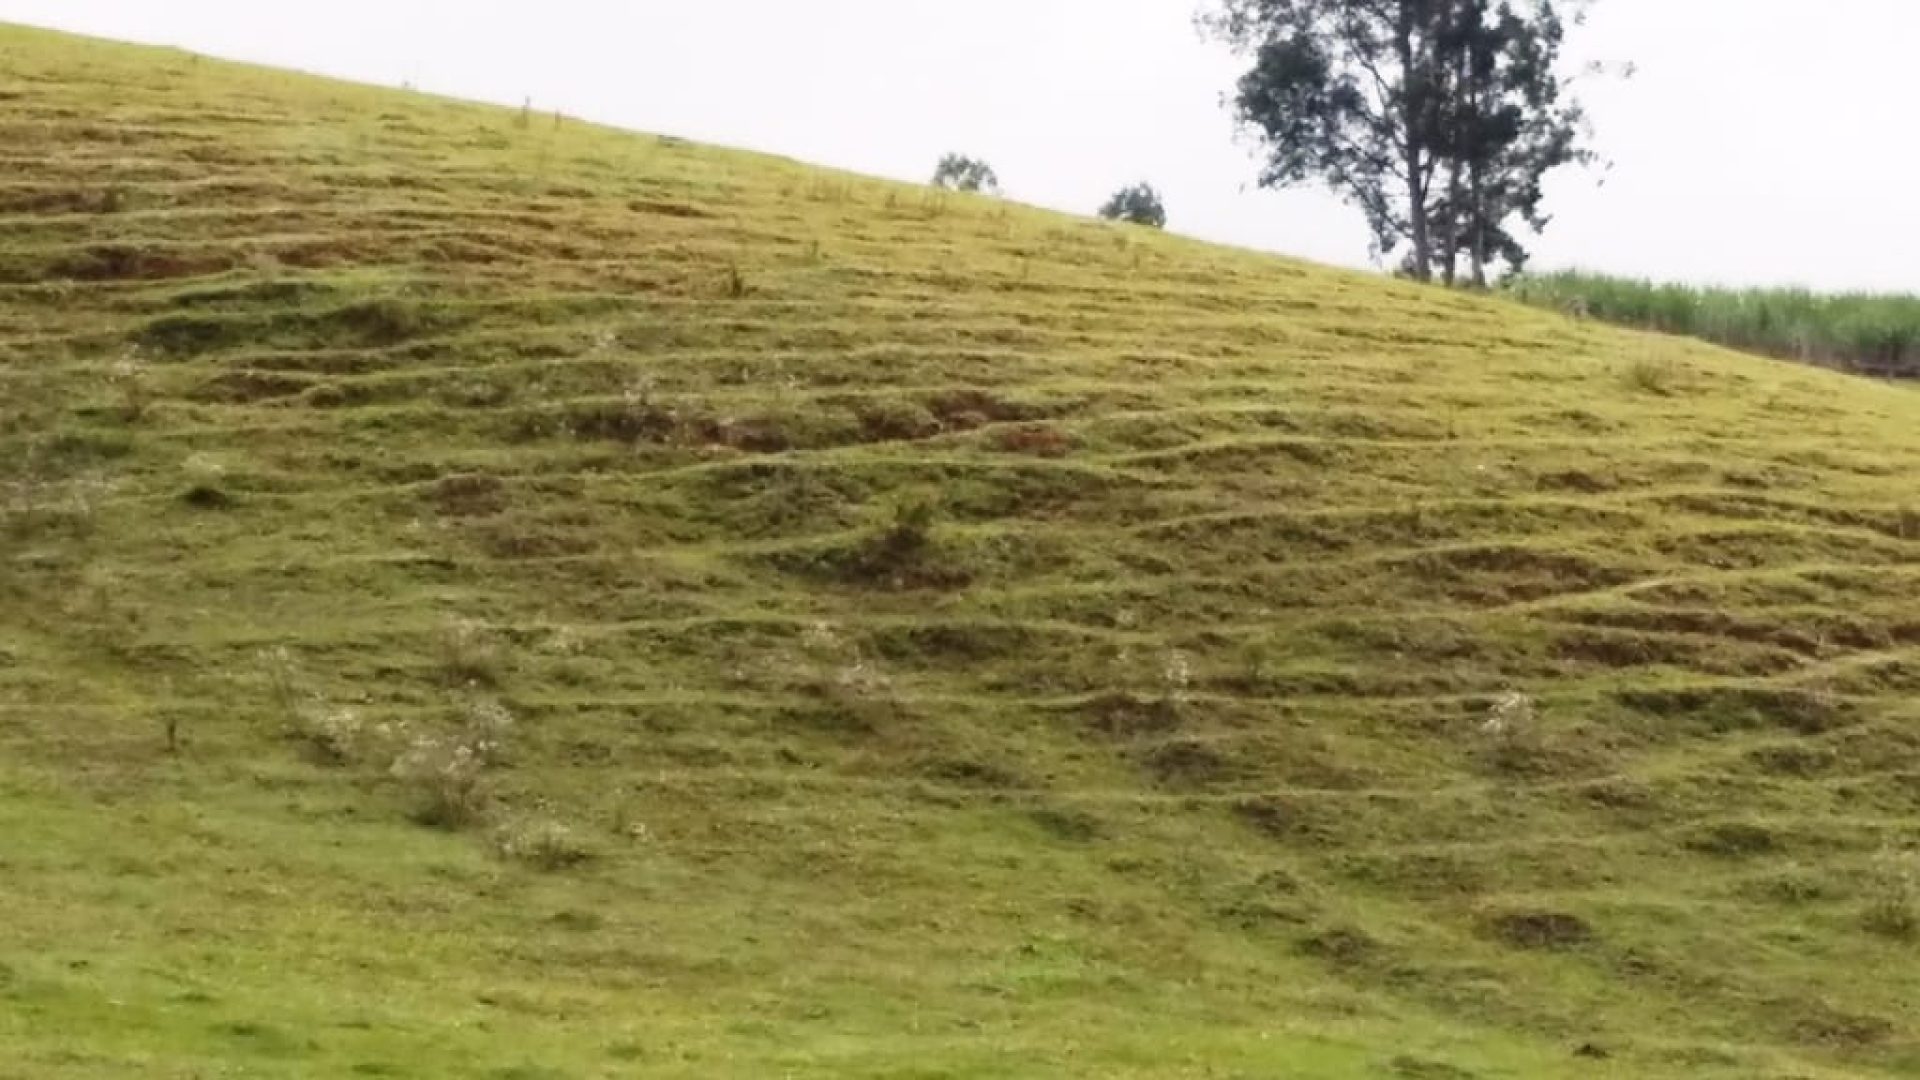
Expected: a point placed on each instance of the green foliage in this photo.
(1438, 119)
(908, 534)
(1868, 333)
(1139, 205)
(958, 172)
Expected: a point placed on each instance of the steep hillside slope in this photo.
(892, 634)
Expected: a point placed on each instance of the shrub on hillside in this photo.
(1139, 205)
(1511, 730)
(447, 769)
(958, 172)
(444, 767)
(1893, 896)
(129, 381)
(543, 843)
(468, 654)
(329, 733)
(1657, 375)
(333, 734)
(900, 542)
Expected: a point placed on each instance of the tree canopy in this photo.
(1437, 118)
(958, 172)
(1139, 204)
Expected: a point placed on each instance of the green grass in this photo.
(1872, 334)
(941, 638)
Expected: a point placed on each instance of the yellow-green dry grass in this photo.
(939, 638)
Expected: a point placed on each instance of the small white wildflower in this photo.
(861, 679)
(638, 392)
(820, 638)
(563, 641)
(131, 364)
(1176, 672)
(203, 467)
(1510, 712)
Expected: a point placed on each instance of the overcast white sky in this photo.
(1763, 141)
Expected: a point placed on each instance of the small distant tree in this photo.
(1139, 204)
(958, 172)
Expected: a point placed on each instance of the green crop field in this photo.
(487, 596)
(1873, 334)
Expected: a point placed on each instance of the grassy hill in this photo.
(486, 596)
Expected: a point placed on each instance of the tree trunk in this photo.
(1471, 65)
(1417, 225)
(1413, 105)
(1478, 194)
(1450, 224)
